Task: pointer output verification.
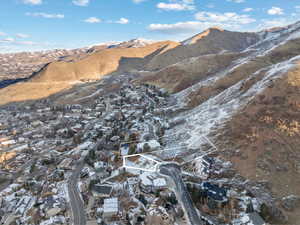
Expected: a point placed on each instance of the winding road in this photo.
(77, 205)
(173, 172)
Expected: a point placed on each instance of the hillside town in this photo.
(93, 164)
(139, 112)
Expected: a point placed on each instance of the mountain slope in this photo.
(211, 41)
(242, 90)
(250, 109)
(267, 132)
(96, 65)
(23, 64)
(62, 75)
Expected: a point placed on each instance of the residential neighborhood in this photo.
(97, 164)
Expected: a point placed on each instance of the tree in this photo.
(132, 149)
(172, 199)
(92, 154)
(32, 167)
(146, 147)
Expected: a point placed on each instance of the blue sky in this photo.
(29, 25)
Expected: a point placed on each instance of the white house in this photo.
(110, 207)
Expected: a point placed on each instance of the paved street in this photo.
(77, 206)
(173, 172)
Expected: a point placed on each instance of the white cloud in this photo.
(174, 6)
(188, 27)
(123, 21)
(278, 22)
(12, 41)
(180, 27)
(33, 2)
(248, 10)
(92, 20)
(275, 11)
(7, 40)
(26, 43)
(2, 34)
(81, 2)
(20, 35)
(177, 5)
(46, 15)
(236, 1)
(229, 17)
(203, 21)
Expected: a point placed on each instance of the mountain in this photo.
(23, 64)
(64, 74)
(100, 63)
(211, 41)
(247, 101)
(240, 89)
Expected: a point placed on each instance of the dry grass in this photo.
(267, 132)
(61, 76)
(210, 42)
(188, 72)
(31, 91)
(279, 54)
(96, 65)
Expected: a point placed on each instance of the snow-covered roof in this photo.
(111, 205)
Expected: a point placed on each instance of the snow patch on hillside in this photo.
(211, 115)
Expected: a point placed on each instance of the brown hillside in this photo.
(267, 132)
(279, 54)
(31, 91)
(209, 42)
(188, 72)
(96, 65)
(59, 76)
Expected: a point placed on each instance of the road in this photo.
(173, 172)
(77, 205)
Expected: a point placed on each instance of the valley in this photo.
(203, 131)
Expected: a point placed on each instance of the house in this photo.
(124, 149)
(159, 184)
(215, 192)
(100, 166)
(8, 142)
(54, 220)
(151, 145)
(146, 182)
(110, 207)
(203, 166)
(53, 206)
(102, 190)
(66, 164)
(156, 214)
(150, 183)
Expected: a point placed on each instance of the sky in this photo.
(31, 25)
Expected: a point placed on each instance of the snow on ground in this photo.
(65, 191)
(79, 149)
(270, 42)
(212, 114)
(142, 162)
(10, 189)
